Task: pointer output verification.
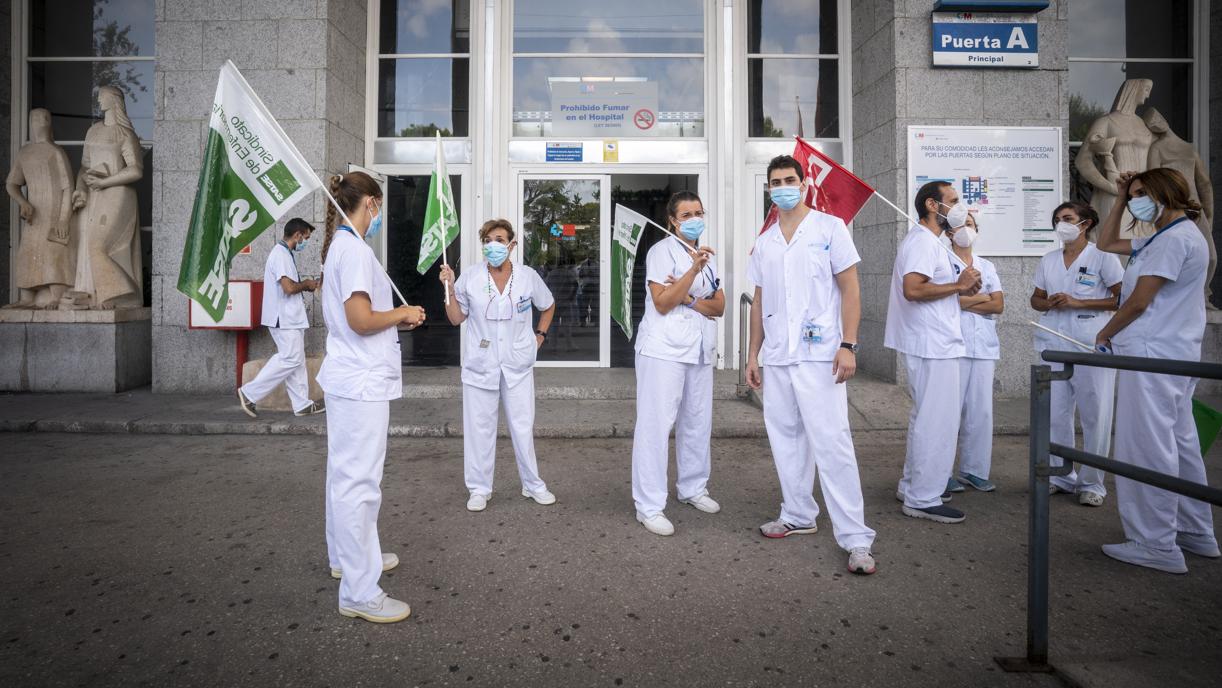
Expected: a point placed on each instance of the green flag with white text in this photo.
(252, 174)
(440, 217)
(629, 225)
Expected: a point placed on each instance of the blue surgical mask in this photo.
(496, 253)
(786, 197)
(692, 228)
(375, 226)
(301, 245)
(1144, 208)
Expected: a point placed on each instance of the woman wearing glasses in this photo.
(497, 299)
(675, 352)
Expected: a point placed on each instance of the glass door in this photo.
(565, 223)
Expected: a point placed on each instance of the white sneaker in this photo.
(382, 609)
(545, 498)
(1200, 545)
(1131, 552)
(657, 524)
(704, 503)
(389, 561)
(477, 502)
(1090, 499)
(861, 561)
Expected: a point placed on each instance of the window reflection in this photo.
(1133, 28)
(791, 27)
(596, 26)
(69, 90)
(1093, 87)
(425, 26)
(91, 28)
(419, 96)
(793, 97)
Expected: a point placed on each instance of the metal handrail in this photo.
(1041, 448)
(744, 335)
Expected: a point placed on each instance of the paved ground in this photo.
(159, 560)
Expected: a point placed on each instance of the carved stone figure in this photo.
(1169, 150)
(1129, 150)
(109, 271)
(46, 254)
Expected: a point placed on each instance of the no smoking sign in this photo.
(644, 119)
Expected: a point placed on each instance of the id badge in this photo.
(484, 343)
(811, 333)
(1086, 279)
(523, 304)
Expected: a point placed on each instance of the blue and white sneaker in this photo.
(982, 484)
(953, 485)
(937, 514)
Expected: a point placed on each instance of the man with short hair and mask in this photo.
(497, 298)
(923, 325)
(804, 323)
(284, 315)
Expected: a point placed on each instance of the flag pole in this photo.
(438, 169)
(689, 248)
(348, 221)
(909, 218)
(1069, 339)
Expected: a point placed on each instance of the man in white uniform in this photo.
(804, 332)
(284, 315)
(923, 325)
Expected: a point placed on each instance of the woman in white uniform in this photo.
(978, 320)
(675, 351)
(1161, 315)
(497, 298)
(360, 375)
(1075, 288)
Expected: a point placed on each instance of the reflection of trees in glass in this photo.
(112, 41)
(767, 129)
(1082, 113)
(559, 201)
(426, 130)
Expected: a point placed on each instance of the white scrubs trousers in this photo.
(356, 454)
(287, 366)
(679, 395)
(933, 428)
(807, 417)
(976, 419)
(1155, 430)
(480, 410)
(1092, 391)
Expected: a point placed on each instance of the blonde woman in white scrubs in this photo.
(1076, 288)
(497, 298)
(1161, 315)
(360, 375)
(675, 352)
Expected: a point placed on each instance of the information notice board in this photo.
(1010, 178)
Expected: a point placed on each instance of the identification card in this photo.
(1086, 279)
(484, 343)
(523, 304)
(811, 333)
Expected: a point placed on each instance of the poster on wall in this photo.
(1010, 178)
(605, 109)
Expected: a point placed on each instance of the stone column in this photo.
(6, 135)
(306, 60)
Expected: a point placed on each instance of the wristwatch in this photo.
(541, 333)
(850, 346)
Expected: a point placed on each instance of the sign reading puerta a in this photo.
(605, 109)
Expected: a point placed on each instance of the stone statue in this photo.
(46, 254)
(1125, 139)
(1169, 150)
(108, 268)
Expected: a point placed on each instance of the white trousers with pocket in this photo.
(288, 365)
(670, 394)
(356, 454)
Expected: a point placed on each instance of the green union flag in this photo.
(251, 176)
(627, 234)
(440, 217)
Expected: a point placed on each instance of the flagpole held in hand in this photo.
(689, 248)
(909, 218)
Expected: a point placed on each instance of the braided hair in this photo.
(348, 190)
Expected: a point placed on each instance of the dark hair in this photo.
(1082, 210)
(297, 225)
(499, 223)
(348, 190)
(1169, 188)
(780, 162)
(927, 191)
(672, 206)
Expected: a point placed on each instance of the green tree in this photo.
(1082, 113)
(110, 40)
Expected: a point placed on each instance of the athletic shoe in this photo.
(704, 503)
(382, 609)
(477, 502)
(319, 406)
(953, 485)
(1200, 545)
(1053, 488)
(861, 561)
(899, 497)
(981, 484)
(657, 524)
(780, 529)
(389, 561)
(545, 498)
(248, 406)
(1130, 552)
(937, 514)
(1090, 498)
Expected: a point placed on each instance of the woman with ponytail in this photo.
(360, 375)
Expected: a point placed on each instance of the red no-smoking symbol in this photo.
(643, 119)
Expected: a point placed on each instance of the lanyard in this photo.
(291, 256)
(346, 228)
(1157, 234)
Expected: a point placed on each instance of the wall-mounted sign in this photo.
(603, 109)
(563, 151)
(610, 150)
(243, 312)
(989, 39)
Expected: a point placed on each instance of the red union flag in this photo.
(833, 189)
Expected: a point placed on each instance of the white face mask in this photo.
(964, 236)
(956, 216)
(1068, 232)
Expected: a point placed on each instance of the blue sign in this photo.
(563, 151)
(966, 39)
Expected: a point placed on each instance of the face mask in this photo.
(692, 228)
(1068, 232)
(375, 226)
(786, 197)
(964, 236)
(301, 245)
(1145, 209)
(957, 217)
(496, 253)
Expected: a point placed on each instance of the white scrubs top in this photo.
(980, 331)
(926, 329)
(1174, 324)
(500, 326)
(357, 366)
(797, 280)
(1091, 276)
(281, 310)
(681, 335)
